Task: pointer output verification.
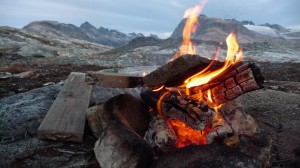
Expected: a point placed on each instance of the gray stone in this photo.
(206, 156)
(125, 108)
(23, 113)
(97, 119)
(22, 75)
(119, 147)
(128, 110)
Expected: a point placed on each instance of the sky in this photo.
(149, 16)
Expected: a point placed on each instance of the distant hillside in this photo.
(215, 29)
(22, 45)
(276, 27)
(86, 32)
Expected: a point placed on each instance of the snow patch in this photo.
(294, 28)
(262, 30)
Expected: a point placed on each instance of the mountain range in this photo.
(85, 31)
(52, 39)
(210, 29)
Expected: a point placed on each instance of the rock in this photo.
(5, 75)
(128, 110)
(100, 95)
(119, 147)
(258, 146)
(25, 154)
(277, 114)
(48, 83)
(125, 108)
(22, 113)
(97, 119)
(206, 156)
(22, 75)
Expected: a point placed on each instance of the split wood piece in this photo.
(160, 135)
(196, 114)
(66, 118)
(231, 119)
(174, 73)
(113, 80)
(237, 80)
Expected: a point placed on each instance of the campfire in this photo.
(189, 101)
(192, 109)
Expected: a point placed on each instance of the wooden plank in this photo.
(114, 80)
(66, 117)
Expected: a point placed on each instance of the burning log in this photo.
(238, 79)
(175, 72)
(196, 114)
(235, 81)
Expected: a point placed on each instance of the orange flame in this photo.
(209, 96)
(187, 135)
(234, 54)
(190, 27)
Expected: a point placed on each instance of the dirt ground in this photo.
(42, 74)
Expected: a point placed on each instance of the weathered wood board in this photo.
(66, 117)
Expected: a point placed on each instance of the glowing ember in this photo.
(187, 135)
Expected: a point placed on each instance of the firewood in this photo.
(196, 114)
(231, 119)
(175, 72)
(235, 81)
(160, 135)
(105, 78)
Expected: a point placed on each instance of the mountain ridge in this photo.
(85, 31)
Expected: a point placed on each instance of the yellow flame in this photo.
(187, 46)
(159, 103)
(234, 54)
(209, 96)
(159, 88)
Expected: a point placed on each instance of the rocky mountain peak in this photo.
(216, 30)
(87, 25)
(86, 31)
(276, 27)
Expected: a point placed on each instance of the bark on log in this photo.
(175, 72)
(235, 81)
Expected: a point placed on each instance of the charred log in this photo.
(196, 114)
(233, 82)
(175, 72)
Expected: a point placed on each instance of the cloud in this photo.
(158, 16)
